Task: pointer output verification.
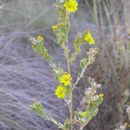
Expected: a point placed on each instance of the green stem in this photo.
(68, 66)
(55, 122)
(71, 110)
(67, 55)
(71, 96)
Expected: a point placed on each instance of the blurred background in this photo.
(25, 76)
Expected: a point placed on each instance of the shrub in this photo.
(65, 88)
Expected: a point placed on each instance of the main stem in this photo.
(71, 115)
(68, 66)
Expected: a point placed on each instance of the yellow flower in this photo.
(60, 92)
(71, 5)
(83, 113)
(89, 38)
(101, 96)
(54, 27)
(66, 79)
(33, 46)
(40, 38)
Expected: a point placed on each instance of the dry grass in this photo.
(109, 22)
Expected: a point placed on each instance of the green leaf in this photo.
(73, 57)
(83, 63)
(77, 48)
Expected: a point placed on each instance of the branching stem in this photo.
(81, 75)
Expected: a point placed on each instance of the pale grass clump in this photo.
(126, 125)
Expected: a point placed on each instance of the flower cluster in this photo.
(39, 48)
(37, 107)
(60, 31)
(89, 104)
(81, 38)
(65, 81)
